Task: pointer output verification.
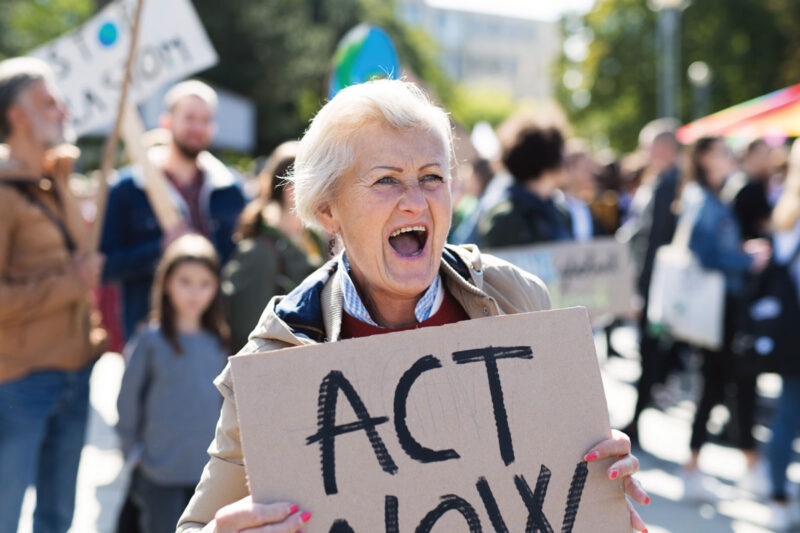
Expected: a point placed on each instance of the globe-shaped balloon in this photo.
(364, 53)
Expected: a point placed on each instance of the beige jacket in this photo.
(44, 323)
(486, 286)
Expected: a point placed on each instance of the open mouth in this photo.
(409, 241)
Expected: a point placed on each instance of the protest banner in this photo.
(89, 61)
(476, 426)
(597, 274)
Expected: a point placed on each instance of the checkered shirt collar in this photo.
(353, 306)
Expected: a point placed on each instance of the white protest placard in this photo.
(596, 274)
(89, 61)
(476, 426)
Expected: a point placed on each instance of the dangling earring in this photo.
(331, 246)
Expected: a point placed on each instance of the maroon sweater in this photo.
(450, 312)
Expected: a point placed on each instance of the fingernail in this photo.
(647, 500)
(644, 531)
(305, 517)
(614, 474)
(591, 456)
(294, 508)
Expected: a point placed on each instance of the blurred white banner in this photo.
(89, 62)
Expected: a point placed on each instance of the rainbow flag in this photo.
(774, 115)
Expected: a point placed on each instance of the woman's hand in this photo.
(619, 446)
(268, 518)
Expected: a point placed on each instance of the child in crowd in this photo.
(168, 405)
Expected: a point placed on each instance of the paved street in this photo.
(665, 437)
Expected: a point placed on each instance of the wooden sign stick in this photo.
(110, 149)
(155, 183)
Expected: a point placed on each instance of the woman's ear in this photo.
(327, 218)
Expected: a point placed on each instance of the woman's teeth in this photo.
(397, 232)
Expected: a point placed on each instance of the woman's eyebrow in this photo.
(386, 167)
(397, 169)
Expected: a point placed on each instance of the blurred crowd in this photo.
(740, 212)
(199, 287)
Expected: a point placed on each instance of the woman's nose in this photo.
(413, 198)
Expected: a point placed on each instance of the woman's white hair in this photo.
(327, 149)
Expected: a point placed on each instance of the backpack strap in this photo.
(23, 187)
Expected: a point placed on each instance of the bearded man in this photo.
(206, 193)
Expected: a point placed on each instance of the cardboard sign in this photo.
(89, 61)
(475, 426)
(597, 274)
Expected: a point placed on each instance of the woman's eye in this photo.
(432, 178)
(386, 180)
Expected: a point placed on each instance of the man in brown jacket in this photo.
(45, 275)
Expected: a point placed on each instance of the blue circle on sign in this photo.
(107, 34)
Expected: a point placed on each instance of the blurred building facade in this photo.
(489, 49)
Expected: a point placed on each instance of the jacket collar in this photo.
(312, 312)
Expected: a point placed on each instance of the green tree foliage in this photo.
(25, 24)
(750, 45)
(469, 106)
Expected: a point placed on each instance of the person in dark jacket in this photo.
(274, 252)
(206, 193)
(651, 225)
(527, 213)
(746, 191)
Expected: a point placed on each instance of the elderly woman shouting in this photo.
(373, 169)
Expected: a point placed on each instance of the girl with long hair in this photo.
(167, 403)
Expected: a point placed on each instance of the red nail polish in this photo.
(294, 508)
(614, 474)
(305, 517)
(647, 501)
(644, 531)
(591, 457)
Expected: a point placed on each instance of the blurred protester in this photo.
(579, 187)
(467, 193)
(274, 252)
(46, 273)
(778, 170)
(650, 226)
(786, 421)
(527, 214)
(632, 170)
(167, 402)
(606, 216)
(606, 208)
(205, 191)
(466, 230)
(715, 240)
(746, 190)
